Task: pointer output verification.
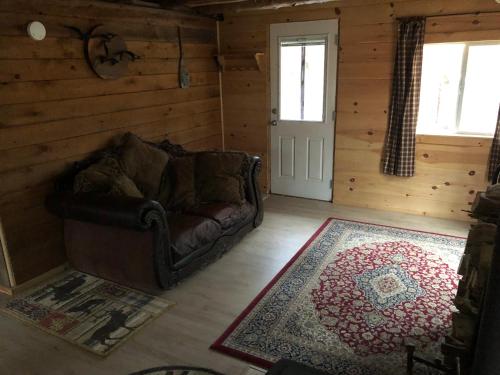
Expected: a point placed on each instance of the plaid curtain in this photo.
(399, 151)
(494, 162)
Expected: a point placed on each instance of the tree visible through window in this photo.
(460, 90)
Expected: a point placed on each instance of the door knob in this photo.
(274, 123)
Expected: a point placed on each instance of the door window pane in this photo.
(302, 79)
(290, 82)
(481, 90)
(314, 82)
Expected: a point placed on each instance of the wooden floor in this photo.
(206, 303)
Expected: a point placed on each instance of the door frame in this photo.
(331, 94)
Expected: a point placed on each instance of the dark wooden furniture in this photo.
(486, 357)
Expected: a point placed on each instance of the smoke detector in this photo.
(36, 30)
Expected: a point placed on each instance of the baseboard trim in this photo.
(6, 290)
(13, 291)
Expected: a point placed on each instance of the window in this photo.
(302, 79)
(460, 90)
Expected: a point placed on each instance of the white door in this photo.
(303, 82)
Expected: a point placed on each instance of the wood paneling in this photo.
(470, 27)
(449, 170)
(54, 110)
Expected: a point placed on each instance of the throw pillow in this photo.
(221, 188)
(219, 177)
(166, 186)
(143, 163)
(230, 163)
(181, 172)
(105, 177)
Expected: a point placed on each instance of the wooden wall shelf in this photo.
(242, 62)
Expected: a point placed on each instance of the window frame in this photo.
(461, 90)
(302, 40)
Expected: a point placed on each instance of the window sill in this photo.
(455, 139)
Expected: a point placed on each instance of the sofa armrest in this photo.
(86, 217)
(254, 195)
(129, 212)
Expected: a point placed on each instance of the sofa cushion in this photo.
(143, 163)
(182, 179)
(105, 177)
(189, 233)
(226, 215)
(219, 177)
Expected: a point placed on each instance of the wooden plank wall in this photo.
(449, 170)
(54, 110)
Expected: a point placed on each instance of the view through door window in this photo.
(302, 79)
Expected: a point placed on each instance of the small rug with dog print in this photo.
(93, 313)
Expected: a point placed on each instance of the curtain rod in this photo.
(449, 14)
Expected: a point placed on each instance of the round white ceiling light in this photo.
(36, 30)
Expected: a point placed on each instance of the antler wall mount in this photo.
(106, 52)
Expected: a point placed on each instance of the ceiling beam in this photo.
(142, 3)
(255, 5)
(216, 6)
(201, 3)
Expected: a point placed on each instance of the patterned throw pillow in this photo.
(143, 163)
(219, 177)
(203, 177)
(105, 177)
(222, 188)
(182, 179)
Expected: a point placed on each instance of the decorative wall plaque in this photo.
(106, 52)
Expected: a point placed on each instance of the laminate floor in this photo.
(207, 302)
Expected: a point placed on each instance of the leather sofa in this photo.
(144, 244)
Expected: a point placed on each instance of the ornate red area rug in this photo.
(348, 300)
